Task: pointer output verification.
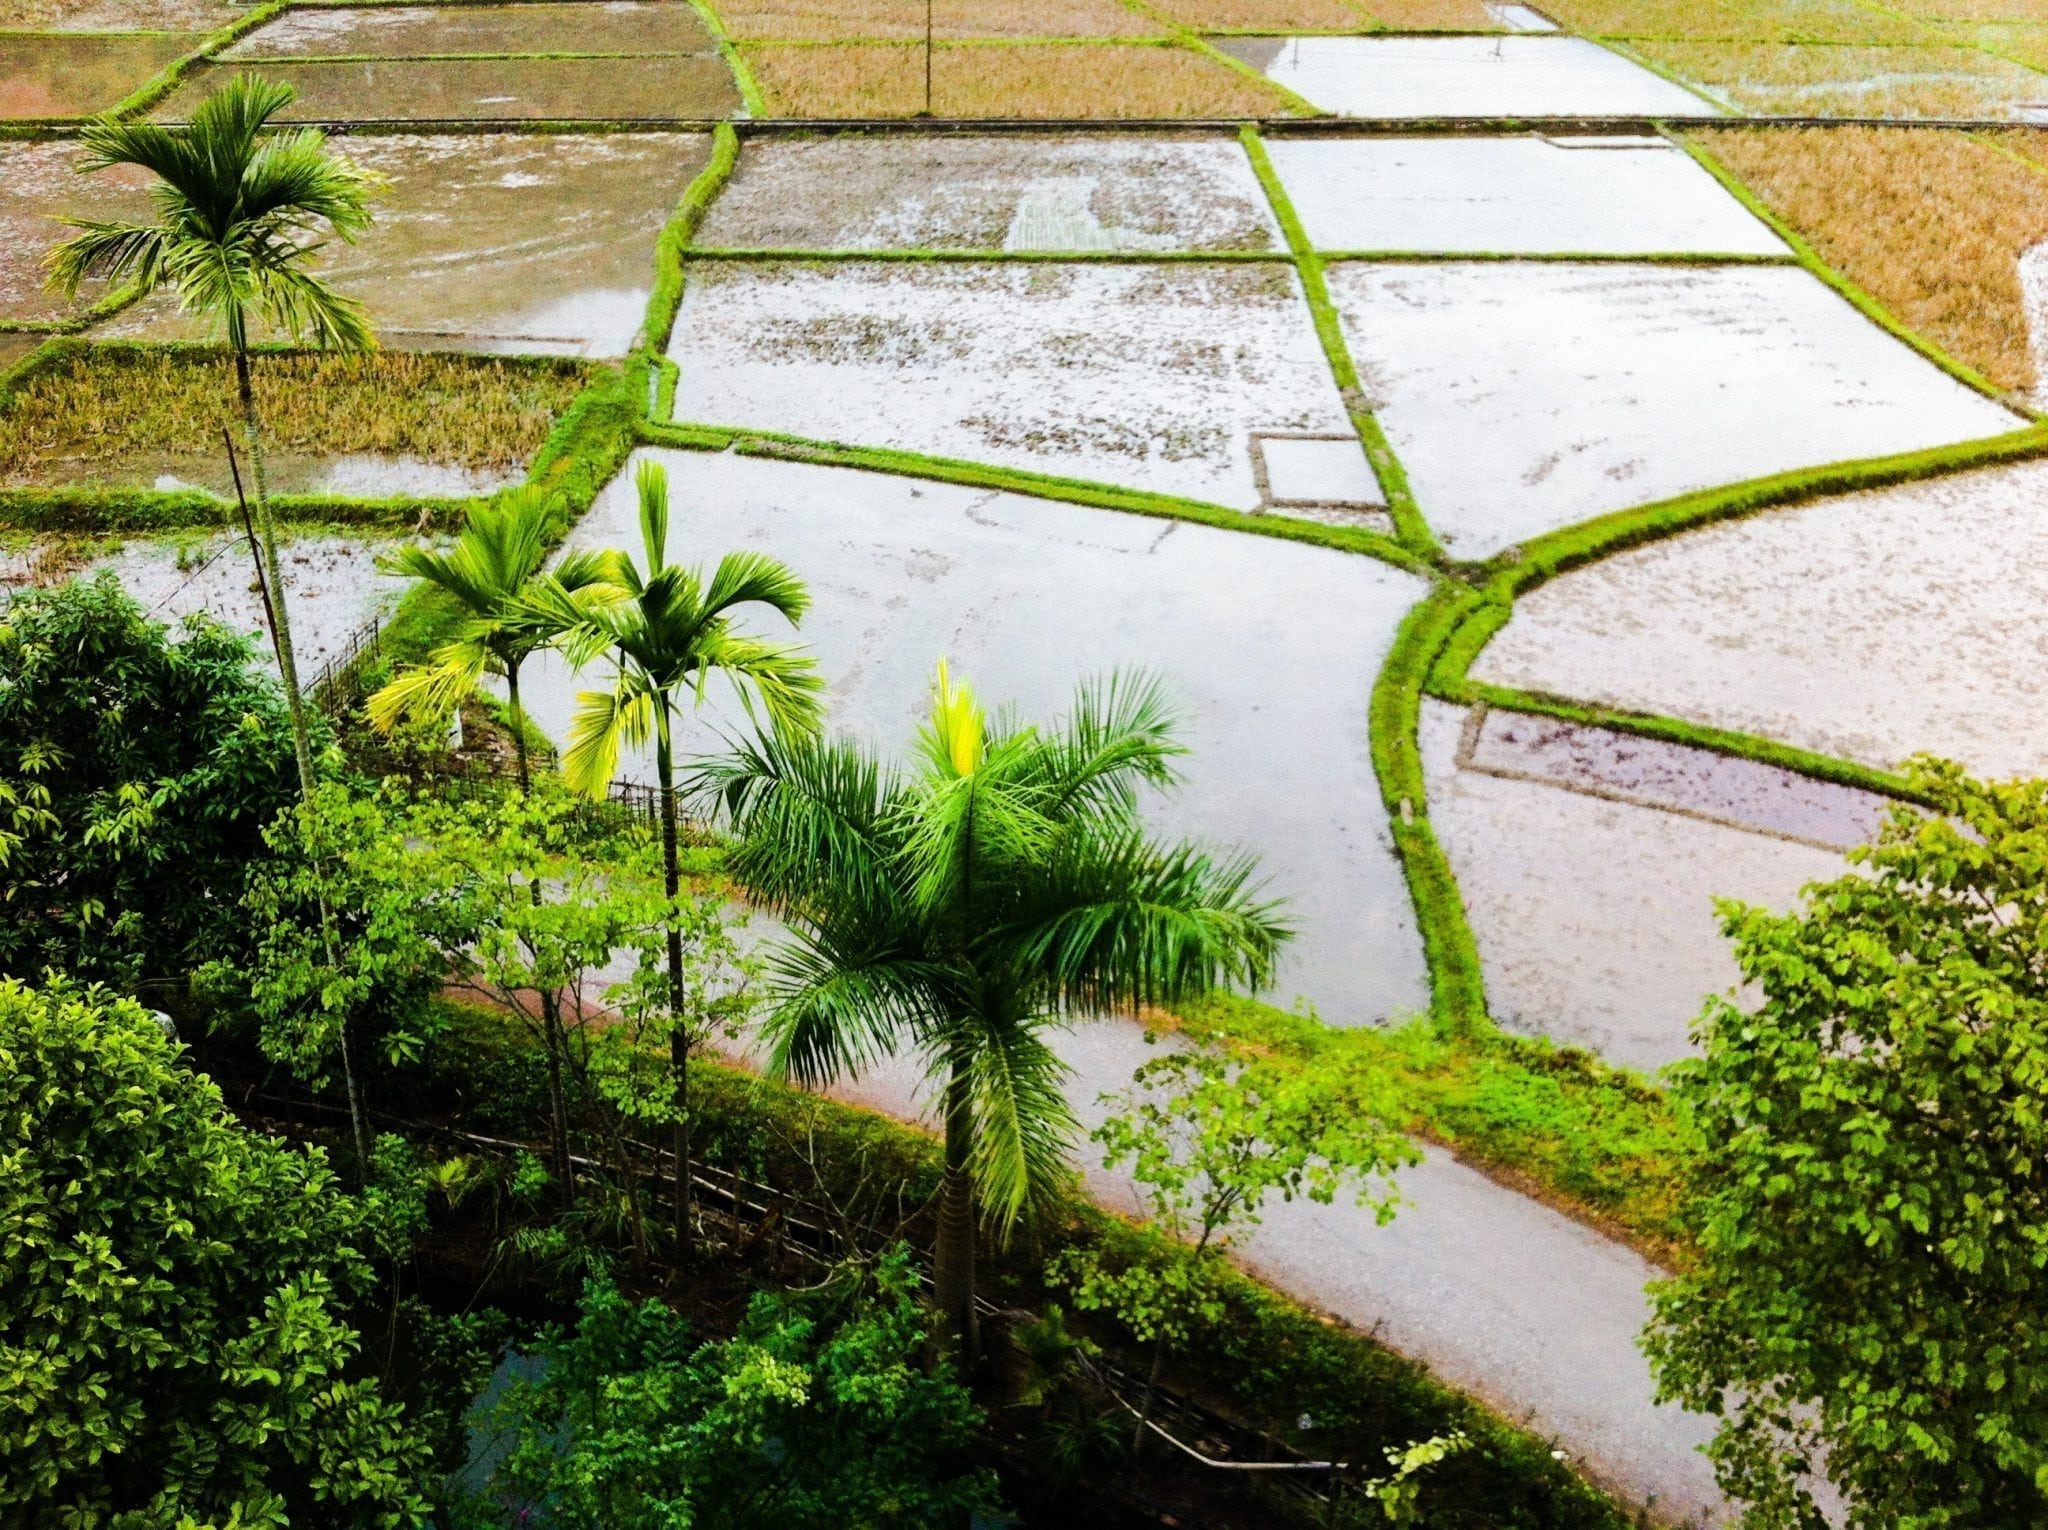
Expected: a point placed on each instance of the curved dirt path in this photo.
(1496, 1293)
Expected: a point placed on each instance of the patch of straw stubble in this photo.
(1850, 81)
(1434, 15)
(1932, 224)
(1269, 15)
(479, 412)
(952, 20)
(1079, 80)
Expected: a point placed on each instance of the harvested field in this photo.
(879, 20)
(38, 185)
(191, 16)
(392, 31)
(1621, 965)
(1936, 226)
(112, 403)
(79, 75)
(1779, 21)
(1869, 626)
(1796, 81)
(1656, 18)
(1270, 15)
(1072, 80)
(2023, 42)
(1150, 376)
(1077, 192)
(1435, 15)
(537, 89)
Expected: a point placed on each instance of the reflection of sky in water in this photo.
(1269, 649)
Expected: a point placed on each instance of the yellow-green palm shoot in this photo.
(666, 630)
(492, 564)
(239, 215)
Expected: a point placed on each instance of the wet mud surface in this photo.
(39, 184)
(587, 26)
(77, 76)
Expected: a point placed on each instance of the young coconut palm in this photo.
(666, 631)
(492, 564)
(238, 219)
(962, 909)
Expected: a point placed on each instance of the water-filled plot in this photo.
(39, 185)
(1527, 195)
(1525, 397)
(1871, 626)
(1065, 192)
(193, 16)
(80, 74)
(1825, 81)
(685, 87)
(1150, 376)
(1512, 76)
(403, 31)
(1267, 648)
(1594, 913)
(331, 583)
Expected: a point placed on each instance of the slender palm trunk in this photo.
(680, 1040)
(288, 671)
(518, 724)
(953, 1259)
(550, 997)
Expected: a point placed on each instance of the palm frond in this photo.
(604, 722)
(743, 577)
(651, 483)
(295, 178)
(108, 250)
(431, 690)
(1023, 1126)
(303, 306)
(1119, 734)
(837, 1006)
(780, 678)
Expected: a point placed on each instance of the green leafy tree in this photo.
(239, 217)
(174, 1290)
(1870, 1200)
(502, 548)
(818, 1414)
(962, 909)
(138, 769)
(666, 630)
(1209, 1142)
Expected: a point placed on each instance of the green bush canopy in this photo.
(138, 767)
(173, 1348)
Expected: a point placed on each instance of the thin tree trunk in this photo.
(550, 998)
(680, 1040)
(1145, 1398)
(518, 724)
(288, 671)
(953, 1259)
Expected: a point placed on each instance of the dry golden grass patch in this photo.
(1850, 81)
(1977, 10)
(480, 412)
(1652, 18)
(1833, 21)
(1434, 15)
(1075, 80)
(1782, 21)
(2026, 42)
(1932, 224)
(867, 20)
(1269, 15)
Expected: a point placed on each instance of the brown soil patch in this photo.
(871, 20)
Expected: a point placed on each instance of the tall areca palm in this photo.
(493, 563)
(962, 908)
(666, 631)
(239, 215)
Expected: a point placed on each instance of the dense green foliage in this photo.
(1870, 1207)
(174, 1293)
(818, 1414)
(138, 768)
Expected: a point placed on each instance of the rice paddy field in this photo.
(1561, 458)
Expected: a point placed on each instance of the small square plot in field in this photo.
(1065, 80)
(1317, 471)
(398, 31)
(501, 241)
(1513, 76)
(474, 89)
(80, 74)
(1524, 397)
(39, 184)
(1526, 195)
(1148, 376)
(1067, 193)
(1797, 81)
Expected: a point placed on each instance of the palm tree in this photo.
(1001, 885)
(238, 218)
(666, 631)
(492, 564)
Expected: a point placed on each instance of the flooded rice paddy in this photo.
(1870, 626)
(1599, 387)
(78, 75)
(352, 475)
(1595, 916)
(38, 186)
(1025, 598)
(1148, 376)
(193, 16)
(1530, 195)
(1041, 192)
(1507, 76)
(401, 31)
(675, 86)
